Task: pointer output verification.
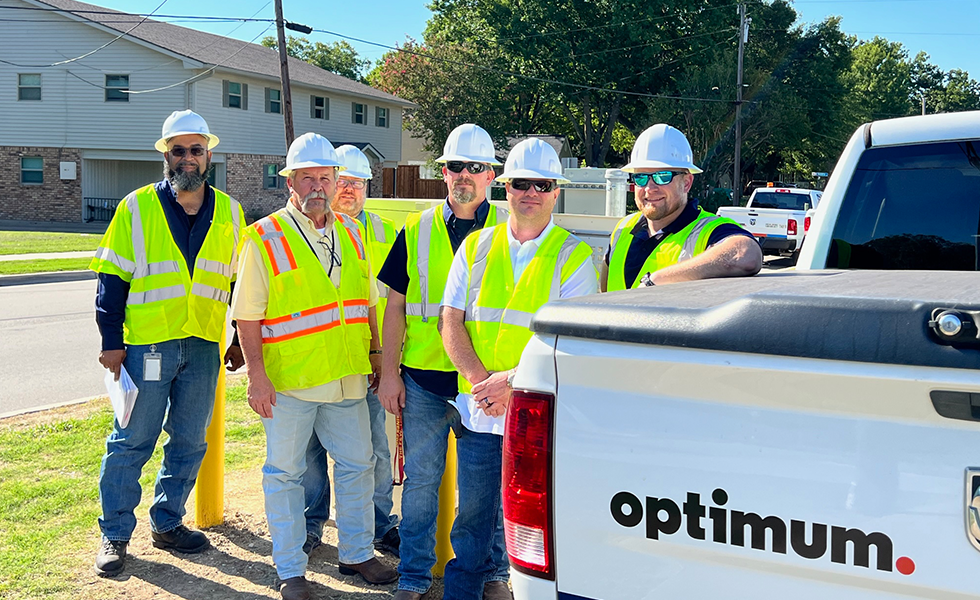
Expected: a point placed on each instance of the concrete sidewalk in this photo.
(47, 255)
(97, 227)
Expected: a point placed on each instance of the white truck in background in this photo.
(811, 434)
(775, 216)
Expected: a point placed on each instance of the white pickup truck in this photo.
(811, 434)
(775, 216)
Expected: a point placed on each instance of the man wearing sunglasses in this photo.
(418, 381)
(499, 279)
(379, 235)
(166, 269)
(672, 239)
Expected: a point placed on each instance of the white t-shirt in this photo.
(584, 281)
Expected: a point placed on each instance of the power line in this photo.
(87, 54)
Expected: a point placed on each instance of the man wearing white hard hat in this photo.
(166, 269)
(379, 235)
(499, 279)
(305, 306)
(672, 239)
(418, 380)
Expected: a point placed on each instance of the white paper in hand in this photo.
(122, 393)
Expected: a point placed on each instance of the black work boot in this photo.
(181, 539)
(111, 558)
(389, 542)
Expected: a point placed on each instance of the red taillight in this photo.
(791, 227)
(806, 224)
(527, 483)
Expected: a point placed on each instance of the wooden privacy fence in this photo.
(408, 184)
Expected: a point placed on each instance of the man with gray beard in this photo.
(166, 268)
(418, 380)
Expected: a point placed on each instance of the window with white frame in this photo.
(31, 170)
(359, 113)
(319, 107)
(28, 86)
(381, 117)
(235, 94)
(273, 101)
(116, 88)
(271, 180)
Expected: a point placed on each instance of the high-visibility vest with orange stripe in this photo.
(498, 309)
(313, 332)
(165, 301)
(430, 255)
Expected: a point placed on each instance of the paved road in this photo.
(49, 345)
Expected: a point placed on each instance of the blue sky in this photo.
(948, 30)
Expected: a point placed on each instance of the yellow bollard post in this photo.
(209, 494)
(447, 510)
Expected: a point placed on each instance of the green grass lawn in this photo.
(49, 499)
(29, 242)
(21, 267)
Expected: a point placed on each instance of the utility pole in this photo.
(287, 98)
(743, 37)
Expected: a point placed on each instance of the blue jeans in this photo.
(478, 532)
(316, 482)
(344, 431)
(425, 419)
(180, 404)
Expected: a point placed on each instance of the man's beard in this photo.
(461, 196)
(185, 181)
(309, 209)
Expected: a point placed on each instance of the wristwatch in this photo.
(510, 378)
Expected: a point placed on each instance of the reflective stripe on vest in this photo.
(143, 268)
(691, 243)
(122, 262)
(312, 320)
(424, 309)
(276, 245)
(351, 227)
(378, 226)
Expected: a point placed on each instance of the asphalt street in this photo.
(49, 345)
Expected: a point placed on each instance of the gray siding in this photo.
(71, 112)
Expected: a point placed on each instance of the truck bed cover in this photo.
(867, 316)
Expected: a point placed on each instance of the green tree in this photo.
(880, 80)
(339, 57)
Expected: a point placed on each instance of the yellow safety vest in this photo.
(379, 240)
(313, 332)
(498, 311)
(165, 302)
(674, 248)
(430, 255)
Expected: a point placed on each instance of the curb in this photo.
(36, 409)
(55, 277)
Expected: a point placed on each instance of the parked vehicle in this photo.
(811, 434)
(775, 216)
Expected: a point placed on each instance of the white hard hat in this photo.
(532, 159)
(356, 164)
(185, 122)
(469, 143)
(308, 151)
(661, 147)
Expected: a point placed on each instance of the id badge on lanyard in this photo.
(152, 364)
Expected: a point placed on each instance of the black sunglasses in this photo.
(660, 177)
(475, 168)
(525, 184)
(181, 152)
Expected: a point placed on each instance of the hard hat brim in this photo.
(356, 174)
(161, 145)
(646, 165)
(311, 164)
(448, 157)
(507, 176)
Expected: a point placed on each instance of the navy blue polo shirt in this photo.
(643, 244)
(394, 273)
(188, 231)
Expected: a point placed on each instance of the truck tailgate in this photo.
(696, 472)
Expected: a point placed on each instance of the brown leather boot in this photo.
(407, 595)
(372, 570)
(295, 588)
